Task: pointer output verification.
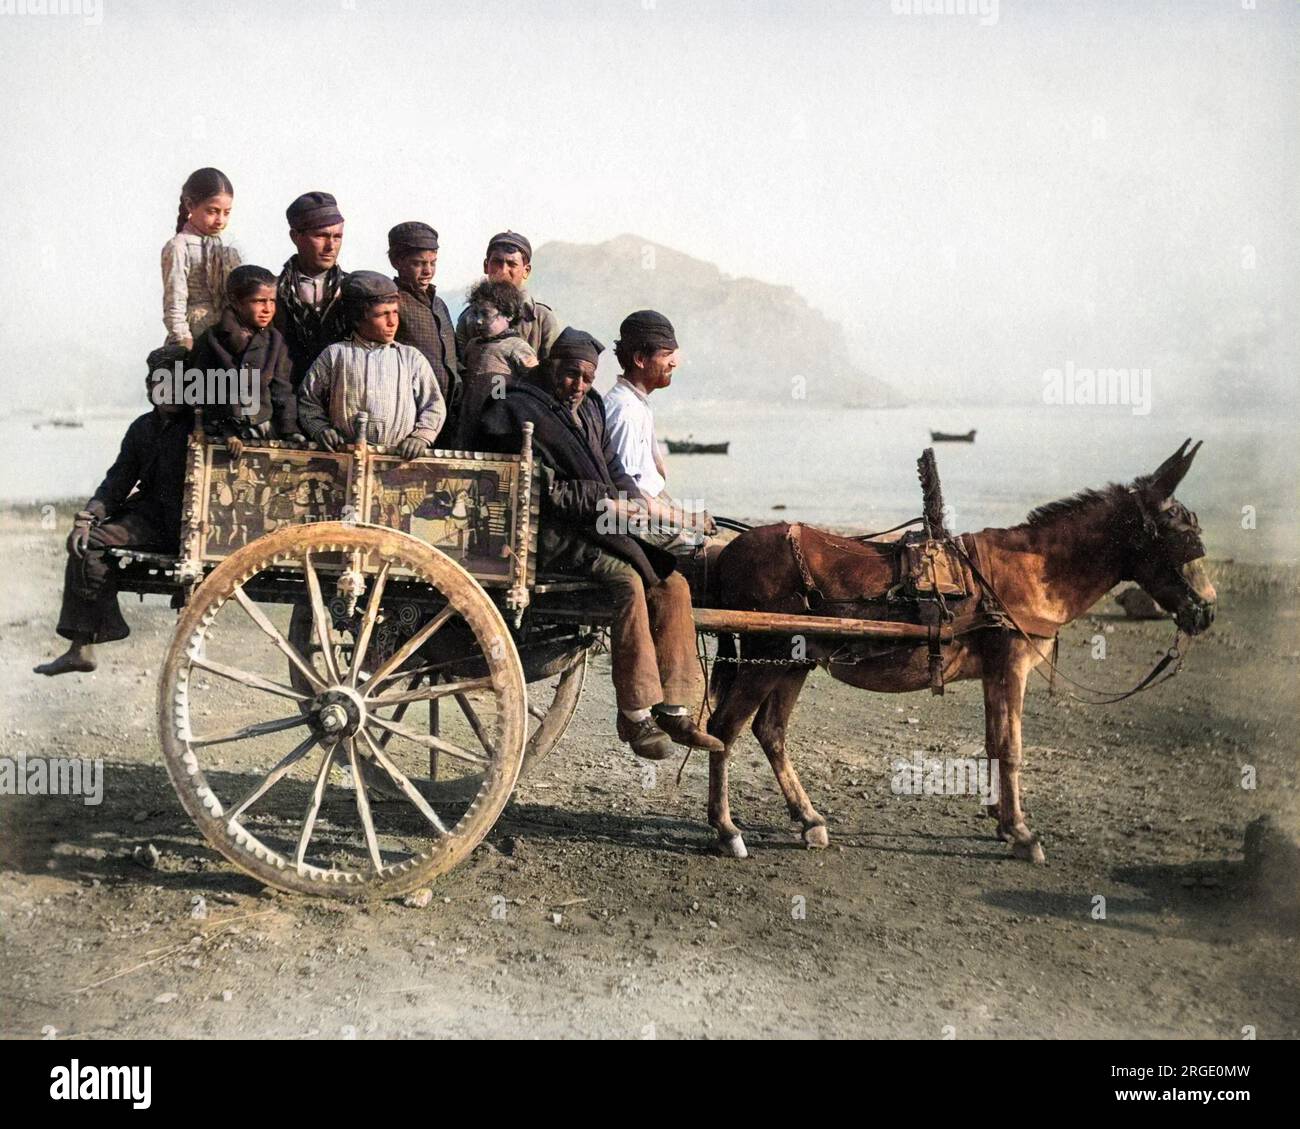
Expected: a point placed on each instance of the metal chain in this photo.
(764, 662)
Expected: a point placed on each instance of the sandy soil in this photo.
(915, 922)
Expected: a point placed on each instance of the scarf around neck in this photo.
(306, 320)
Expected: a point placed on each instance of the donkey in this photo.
(1047, 571)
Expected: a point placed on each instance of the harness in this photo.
(945, 584)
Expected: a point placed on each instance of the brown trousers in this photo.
(90, 613)
(652, 638)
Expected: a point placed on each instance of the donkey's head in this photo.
(1167, 543)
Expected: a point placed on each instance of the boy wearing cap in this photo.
(584, 492)
(309, 309)
(510, 259)
(424, 320)
(371, 373)
(647, 350)
(138, 505)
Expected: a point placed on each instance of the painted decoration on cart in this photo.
(268, 488)
(463, 507)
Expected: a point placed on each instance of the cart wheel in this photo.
(256, 772)
(547, 722)
(302, 634)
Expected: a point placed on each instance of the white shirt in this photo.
(311, 288)
(631, 426)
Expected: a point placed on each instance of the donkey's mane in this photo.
(1075, 504)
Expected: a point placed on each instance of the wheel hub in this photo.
(338, 712)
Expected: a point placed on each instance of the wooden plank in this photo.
(769, 623)
(727, 621)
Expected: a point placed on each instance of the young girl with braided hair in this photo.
(196, 261)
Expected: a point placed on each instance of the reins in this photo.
(1161, 672)
(1174, 654)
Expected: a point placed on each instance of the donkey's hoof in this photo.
(1004, 836)
(816, 838)
(733, 848)
(1031, 850)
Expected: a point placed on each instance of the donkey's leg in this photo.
(994, 740)
(770, 725)
(1004, 696)
(745, 694)
(729, 839)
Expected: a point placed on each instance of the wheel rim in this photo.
(548, 723)
(327, 796)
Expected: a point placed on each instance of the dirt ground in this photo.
(914, 923)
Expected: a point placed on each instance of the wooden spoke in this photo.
(290, 652)
(429, 693)
(257, 729)
(368, 622)
(413, 644)
(248, 678)
(431, 742)
(475, 724)
(536, 712)
(363, 807)
(399, 778)
(273, 777)
(428, 668)
(321, 618)
(309, 821)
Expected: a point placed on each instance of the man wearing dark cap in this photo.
(424, 320)
(309, 313)
(138, 505)
(371, 373)
(510, 259)
(648, 353)
(585, 513)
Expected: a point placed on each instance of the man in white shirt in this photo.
(647, 350)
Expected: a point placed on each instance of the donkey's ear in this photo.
(1170, 473)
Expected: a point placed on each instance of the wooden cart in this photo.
(378, 584)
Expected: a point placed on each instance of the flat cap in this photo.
(367, 285)
(576, 344)
(165, 356)
(512, 239)
(647, 328)
(313, 210)
(413, 235)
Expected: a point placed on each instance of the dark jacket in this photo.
(152, 463)
(579, 469)
(425, 322)
(307, 331)
(230, 344)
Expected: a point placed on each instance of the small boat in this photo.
(59, 421)
(686, 447)
(952, 437)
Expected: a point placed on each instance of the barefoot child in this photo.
(152, 463)
(244, 338)
(196, 261)
(371, 373)
(495, 354)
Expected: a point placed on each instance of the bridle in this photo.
(1161, 672)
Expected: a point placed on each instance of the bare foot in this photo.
(75, 660)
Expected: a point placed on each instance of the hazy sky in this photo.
(977, 199)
